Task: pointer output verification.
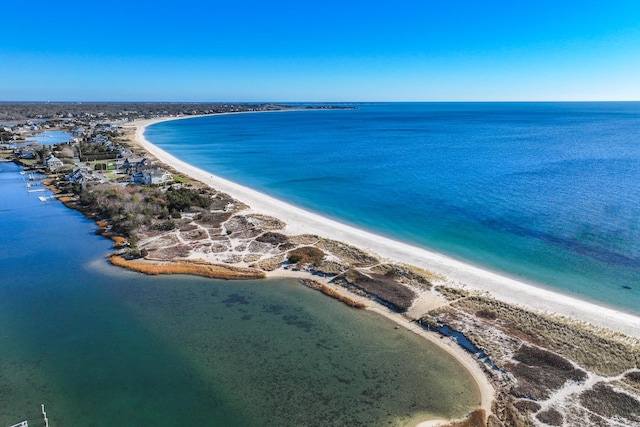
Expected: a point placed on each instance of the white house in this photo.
(157, 176)
(152, 176)
(52, 162)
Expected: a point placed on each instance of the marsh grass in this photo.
(389, 291)
(193, 268)
(329, 291)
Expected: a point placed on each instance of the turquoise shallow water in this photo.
(105, 347)
(546, 192)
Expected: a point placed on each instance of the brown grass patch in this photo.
(390, 292)
(272, 238)
(527, 406)
(474, 419)
(268, 222)
(351, 255)
(406, 274)
(305, 255)
(632, 379)
(304, 239)
(605, 401)
(551, 417)
(270, 264)
(540, 372)
(118, 240)
(330, 268)
(214, 271)
(329, 291)
(575, 341)
(452, 294)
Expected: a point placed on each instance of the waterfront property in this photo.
(52, 163)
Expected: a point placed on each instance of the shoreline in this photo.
(531, 320)
(300, 221)
(486, 390)
(525, 365)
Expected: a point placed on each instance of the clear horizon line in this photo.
(311, 102)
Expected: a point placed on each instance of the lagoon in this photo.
(101, 346)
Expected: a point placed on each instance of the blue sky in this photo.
(281, 50)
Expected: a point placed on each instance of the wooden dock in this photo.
(26, 424)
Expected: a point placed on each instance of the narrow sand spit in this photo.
(498, 286)
(471, 277)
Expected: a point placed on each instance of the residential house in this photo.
(79, 175)
(28, 152)
(52, 162)
(134, 164)
(152, 176)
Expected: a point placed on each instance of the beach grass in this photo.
(586, 345)
(213, 271)
(329, 291)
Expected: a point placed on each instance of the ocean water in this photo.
(544, 192)
(100, 346)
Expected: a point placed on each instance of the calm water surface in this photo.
(105, 347)
(546, 192)
(51, 137)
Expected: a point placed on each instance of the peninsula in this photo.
(538, 357)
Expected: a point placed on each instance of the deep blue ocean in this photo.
(546, 192)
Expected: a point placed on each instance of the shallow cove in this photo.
(102, 347)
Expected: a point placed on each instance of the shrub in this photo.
(166, 225)
(551, 417)
(305, 255)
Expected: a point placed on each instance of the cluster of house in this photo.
(140, 170)
(143, 172)
(19, 130)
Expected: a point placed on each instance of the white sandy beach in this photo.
(504, 288)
